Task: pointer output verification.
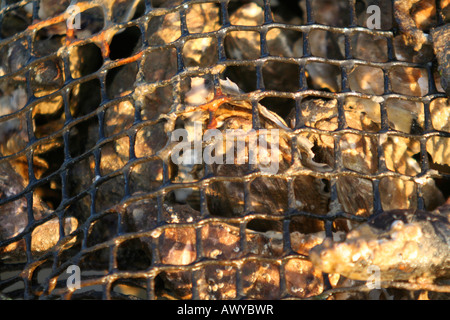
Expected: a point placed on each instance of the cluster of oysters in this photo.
(124, 168)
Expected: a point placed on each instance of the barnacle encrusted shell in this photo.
(400, 244)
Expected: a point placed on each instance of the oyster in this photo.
(232, 112)
(221, 243)
(246, 45)
(15, 221)
(407, 24)
(360, 154)
(441, 39)
(403, 245)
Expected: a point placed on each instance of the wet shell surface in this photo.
(409, 245)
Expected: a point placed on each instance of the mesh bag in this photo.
(98, 202)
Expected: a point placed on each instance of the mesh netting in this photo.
(88, 183)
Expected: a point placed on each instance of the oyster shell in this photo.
(235, 115)
(408, 245)
(441, 39)
(402, 13)
(221, 242)
(360, 154)
(15, 221)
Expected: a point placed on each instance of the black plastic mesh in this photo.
(60, 150)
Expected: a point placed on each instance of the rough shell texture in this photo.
(400, 244)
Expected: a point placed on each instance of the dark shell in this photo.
(441, 43)
(439, 220)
